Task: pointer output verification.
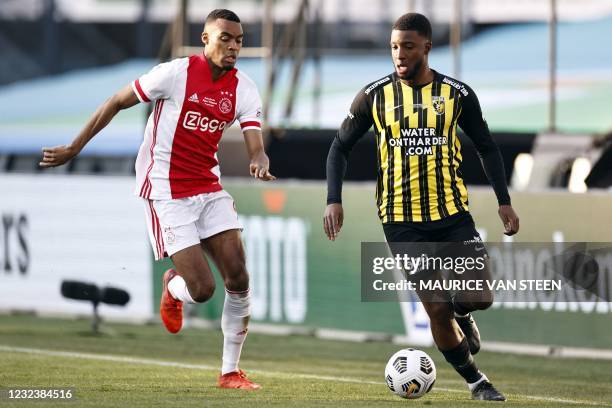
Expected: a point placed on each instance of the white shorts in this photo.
(178, 224)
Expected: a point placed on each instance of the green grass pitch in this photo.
(143, 366)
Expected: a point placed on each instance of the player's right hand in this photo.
(56, 156)
(509, 219)
(260, 167)
(332, 220)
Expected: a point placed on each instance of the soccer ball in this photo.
(410, 373)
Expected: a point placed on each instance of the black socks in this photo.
(463, 362)
(460, 310)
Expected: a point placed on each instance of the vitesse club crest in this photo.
(438, 104)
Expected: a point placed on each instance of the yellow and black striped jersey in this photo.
(418, 151)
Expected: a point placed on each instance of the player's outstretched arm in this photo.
(337, 160)
(474, 125)
(58, 155)
(354, 126)
(260, 164)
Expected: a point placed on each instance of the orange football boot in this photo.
(170, 309)
(237, 379)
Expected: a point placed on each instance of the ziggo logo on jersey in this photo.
(195, 120)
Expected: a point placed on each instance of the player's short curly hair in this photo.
(416, 22)
(223, 14)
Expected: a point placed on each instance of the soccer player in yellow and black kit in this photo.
(420, 192)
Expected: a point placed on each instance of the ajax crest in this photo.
(225, 105)
(170, 237)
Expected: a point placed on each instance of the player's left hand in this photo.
(56, 156)
(260, 168)
(509, 218)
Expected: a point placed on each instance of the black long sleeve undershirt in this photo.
(337, 160)
(354, 126)
(471, 121)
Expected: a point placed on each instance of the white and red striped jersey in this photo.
(178, 156)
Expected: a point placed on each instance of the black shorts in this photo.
(456, 228)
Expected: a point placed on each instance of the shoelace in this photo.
(172, 302)
(239, 373)
(485, 385)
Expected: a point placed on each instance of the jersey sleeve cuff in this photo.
(504, 201)
(251, 124)
(140, 94)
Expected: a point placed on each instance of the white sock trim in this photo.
(178, 289)
(473, 385)
(242, 293)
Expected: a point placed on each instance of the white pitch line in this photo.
(176, 364)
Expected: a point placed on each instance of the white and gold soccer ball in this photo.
(410, 373)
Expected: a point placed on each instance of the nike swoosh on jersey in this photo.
(393, 108)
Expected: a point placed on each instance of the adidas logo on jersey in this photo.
(194, 98)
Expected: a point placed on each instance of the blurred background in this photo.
(542, 70)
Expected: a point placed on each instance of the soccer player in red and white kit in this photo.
(177, 173)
